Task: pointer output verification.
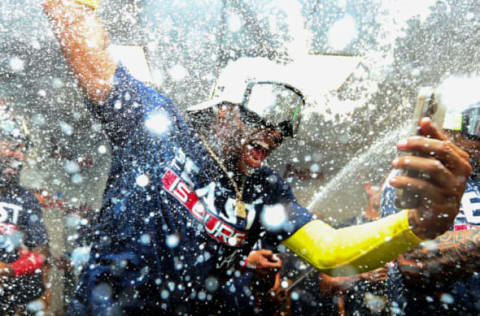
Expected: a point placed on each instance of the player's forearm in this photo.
(353, 249)
(84, 42)
(333, 285)
(453, 255)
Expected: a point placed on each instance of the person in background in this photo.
(441, 276)
(187, 196)
(23, 237)
(263, 266)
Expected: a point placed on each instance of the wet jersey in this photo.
(170, 237)
(464, 293)
(21, 223)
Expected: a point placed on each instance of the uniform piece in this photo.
(21, 224)
(461, 297)
(171, 237)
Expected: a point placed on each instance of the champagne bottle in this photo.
(427, 106)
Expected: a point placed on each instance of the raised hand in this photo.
(445, 169)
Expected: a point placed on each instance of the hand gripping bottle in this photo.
(428, 105)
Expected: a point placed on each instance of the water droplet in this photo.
(102, 292)
(211, 284)
(158, 122)
(446, 298)
(16, 64)
(71, 167)
(295, 296)
(172, 240)
(164, 294)
(273, 217)
(102, 149)
(66, 128)
(145, 239)
(142, 180)
(77, 178)
(202, 295)
(177, 72)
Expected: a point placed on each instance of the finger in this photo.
(378, 277)
(428, 168)
(431, 147)
(265, 252)
(275, 261)
(423, 188)
(445, 151)
(429, 129)
(274, 257)
(384, 269)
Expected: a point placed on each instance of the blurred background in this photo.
(360, 64)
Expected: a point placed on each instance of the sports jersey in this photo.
(21, 224)
(169, 238)
(462, 296)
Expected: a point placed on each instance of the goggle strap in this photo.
(297, 111)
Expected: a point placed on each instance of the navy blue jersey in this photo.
(21, 225)
(464, 294)
(21, 222)
(169, 239)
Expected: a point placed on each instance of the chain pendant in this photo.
(240, 209)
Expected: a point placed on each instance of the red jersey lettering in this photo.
(465, 227)
(214, 226)
(219, 230)
(7, 229)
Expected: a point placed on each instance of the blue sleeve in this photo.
(120, 259)
(281, 215)
(387, 197)
(31, 223)
(127, 105)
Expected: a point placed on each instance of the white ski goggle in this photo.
(275, 104)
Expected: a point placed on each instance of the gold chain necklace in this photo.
(240, 208)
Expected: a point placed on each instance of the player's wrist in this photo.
(417, 224)
(425, 225)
